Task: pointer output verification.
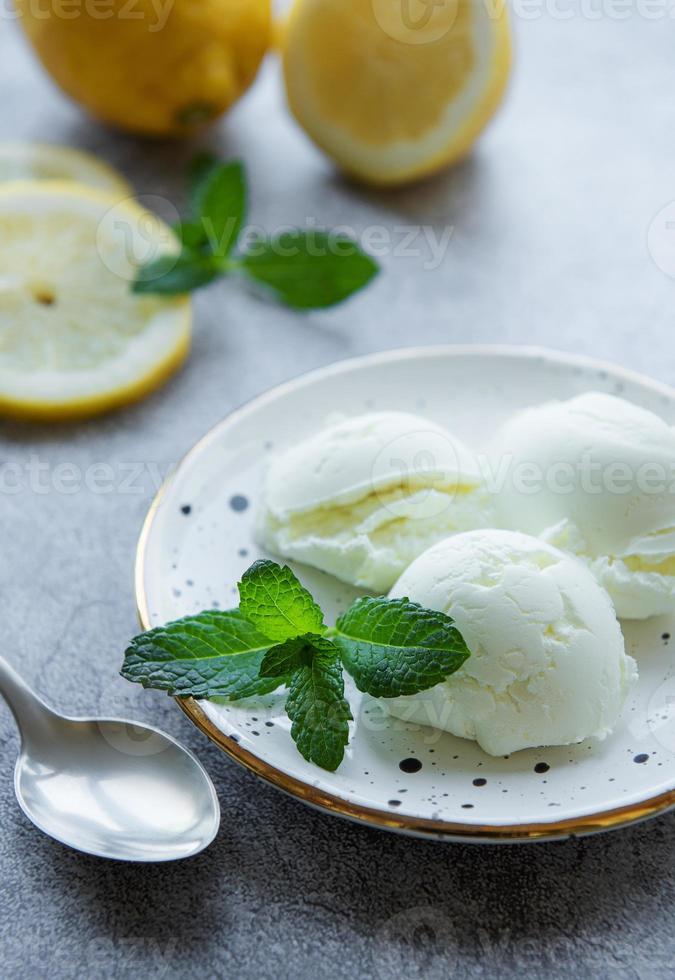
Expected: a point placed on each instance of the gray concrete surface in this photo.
(550, 219)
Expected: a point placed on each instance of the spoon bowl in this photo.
(108, 787)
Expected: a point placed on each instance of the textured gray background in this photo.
(549, 245)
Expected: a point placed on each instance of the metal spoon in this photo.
(108, 787)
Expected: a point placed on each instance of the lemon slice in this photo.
(395, 89)
(74, 339)
(43, 161)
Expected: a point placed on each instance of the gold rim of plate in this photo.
(591, 823)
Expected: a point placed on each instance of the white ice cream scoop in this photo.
(596, 476)
(363, 497)
(547, 664)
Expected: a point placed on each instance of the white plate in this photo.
(198, 540)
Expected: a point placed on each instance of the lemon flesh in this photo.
(395, 89)
(74, 339)
(44, 161)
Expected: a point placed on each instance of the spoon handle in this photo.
(28, 709)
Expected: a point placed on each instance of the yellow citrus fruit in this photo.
(395, 89)
(74, 339)
(152, 67)
(44, 161)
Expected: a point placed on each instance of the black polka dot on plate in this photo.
(394, 802)
(641, 758)
(186, 509)
(238, 502)
(480, 782)
(410, 765)
(542, 767)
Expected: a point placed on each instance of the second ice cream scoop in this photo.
(363, 497)
(595, 475)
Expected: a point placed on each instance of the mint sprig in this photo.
(277, 637)
(304, 269)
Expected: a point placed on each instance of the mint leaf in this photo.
(217, 204)
(170, 274)
(309, 270)
(213, 654)
(284, 658)
(199, 171)
(191, 235)
(297, 652)
(273, 599)
(220, 203)
(318, 711)
(393, 646)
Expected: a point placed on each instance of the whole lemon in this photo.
(161, 67)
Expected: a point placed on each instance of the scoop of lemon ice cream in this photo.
(604, 489)
(363, 497)
(547, 664)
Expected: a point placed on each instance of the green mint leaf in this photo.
(272, 598)
(220, 203)
(171, 274)
(284, 658)
(200, 169)
(309, 269)
(318, 711)
(393, 646)
(191, 234)
(213, 654)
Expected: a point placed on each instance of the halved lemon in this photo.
(44, 161)
(74, 339)
(395, 89)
